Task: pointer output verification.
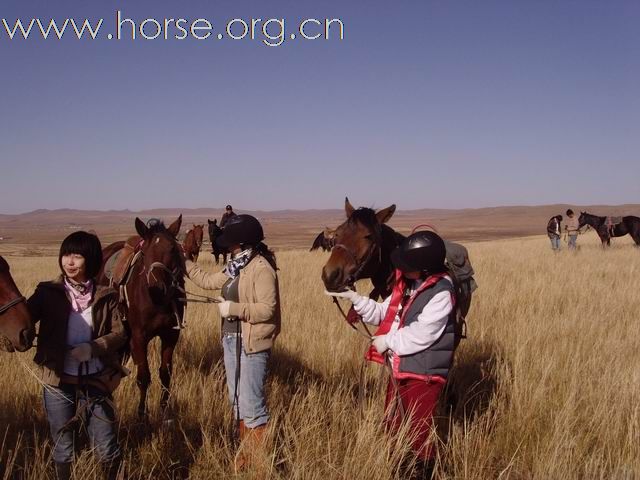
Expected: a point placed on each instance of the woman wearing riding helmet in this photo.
(416, 335)
(80, 340)
(250, 313)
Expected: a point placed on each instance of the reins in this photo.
(398, 400)
(12, 303)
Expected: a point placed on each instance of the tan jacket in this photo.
(572, 225)
(259, 305)
(50, 306)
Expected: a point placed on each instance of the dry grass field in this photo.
(547, 384)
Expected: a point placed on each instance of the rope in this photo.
(387, 364)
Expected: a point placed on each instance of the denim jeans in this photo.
(252, 405)
(60, 404)
(572, 241)
(555, 243)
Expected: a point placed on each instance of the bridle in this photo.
(9, 305)
(176, 285)
(376, 245)
(174, 274)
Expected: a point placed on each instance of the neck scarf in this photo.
(80, 294)
(238, 262)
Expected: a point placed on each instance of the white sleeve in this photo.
(371, 311)
(428, 328)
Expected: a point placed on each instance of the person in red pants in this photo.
(415, 335)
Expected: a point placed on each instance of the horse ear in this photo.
(174, 228)
(215, 222)
(348, 208)
(385, 214)
(141, 228)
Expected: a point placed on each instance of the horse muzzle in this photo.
(22, 342)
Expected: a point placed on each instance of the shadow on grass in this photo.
(473, 381)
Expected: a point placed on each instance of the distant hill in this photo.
(297, 228)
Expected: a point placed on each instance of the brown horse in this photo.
(193, 242)
(16, 326)
(362, 248)
(151, 289)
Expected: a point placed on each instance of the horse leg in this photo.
(168, 339)
(139, 346)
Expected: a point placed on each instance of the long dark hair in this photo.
(268, 254)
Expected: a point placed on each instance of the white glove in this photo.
(348, 294)
(380, 344)
(224, 308)
(81, 352)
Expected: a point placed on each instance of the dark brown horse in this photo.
(324, 240)
(214, 232)
(362, 248)
(151, 289)
(608, 229)
(193, 242)
(16, 326)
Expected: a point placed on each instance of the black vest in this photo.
(437, 359)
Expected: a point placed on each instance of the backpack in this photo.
(462, 272)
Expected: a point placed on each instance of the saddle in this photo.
(118, 267)
(611, 222)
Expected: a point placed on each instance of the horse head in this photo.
(587, 219)
(357, 244)
(162, 260)
(16, 327)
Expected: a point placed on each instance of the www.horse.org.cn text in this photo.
(271, 32)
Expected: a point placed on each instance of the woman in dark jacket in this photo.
(80, 338)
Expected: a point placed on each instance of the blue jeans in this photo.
(100, 421)
(572, 241)
(555, 243)
(252, 405)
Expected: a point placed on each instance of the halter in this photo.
(11, 304)
(175, 273)
(360, 265)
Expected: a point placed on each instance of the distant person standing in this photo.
(553, 230)
(572, 227)
(227, 215)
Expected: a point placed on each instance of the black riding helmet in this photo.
(240, 230)
(420, 251)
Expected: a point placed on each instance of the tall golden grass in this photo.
(546, 386)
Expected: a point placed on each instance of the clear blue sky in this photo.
(425, 103)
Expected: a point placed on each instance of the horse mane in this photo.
(156, 228)
(364, 215)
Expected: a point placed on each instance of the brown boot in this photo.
(240, 462)
(258, 451)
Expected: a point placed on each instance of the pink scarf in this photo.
(80, 294)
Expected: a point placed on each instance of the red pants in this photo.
(419, 399)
